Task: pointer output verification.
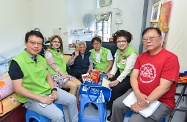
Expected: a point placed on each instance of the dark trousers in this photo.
(120, 89)
(79, 72)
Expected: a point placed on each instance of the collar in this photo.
(98, 51)
(32, 57)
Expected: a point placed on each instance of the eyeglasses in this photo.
(96, 43)
(121, 42)
(34, 43)
(56, 42)
(149, 38)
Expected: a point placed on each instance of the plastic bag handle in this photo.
(89, 93)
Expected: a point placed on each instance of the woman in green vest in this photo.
(57, 66)
(125, 58)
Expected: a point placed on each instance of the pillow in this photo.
(2, 59)
(6, 87)
(3, 68)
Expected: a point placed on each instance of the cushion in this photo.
(2, 59)
(6, 87)
(3, 68)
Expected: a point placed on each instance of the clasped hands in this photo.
(50, 98)
(140, 104)
(112, 83)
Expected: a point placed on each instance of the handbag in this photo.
(96, 90)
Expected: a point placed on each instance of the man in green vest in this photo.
(102, 57)
(34, 85)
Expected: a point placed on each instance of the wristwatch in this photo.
(148, 101)
(54, 89)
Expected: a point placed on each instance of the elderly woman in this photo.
(57, 66)
(125, 58)
(80, 61)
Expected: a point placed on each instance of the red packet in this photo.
(86, 77)
(94, 75)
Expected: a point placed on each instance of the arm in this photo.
(160, 90)
(17, 80)
(91, 64)
(141, 98)
(72, 59)
(109, 66)
(18, 88)
(128, 68)
(110, 61)
(49, 58)
(114, 67)
(51, 83)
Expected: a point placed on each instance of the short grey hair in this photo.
(80, 43)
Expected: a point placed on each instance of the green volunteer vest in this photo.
(127, 53)
(103, 59)
(59, 61)
(34, 75)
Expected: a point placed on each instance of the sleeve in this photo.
(171, 69)
(91, 62)
(129, 66)
(137, 64)
(15, 71)
(49, 58)
(109, 56)
(114, 67)
(70, 62)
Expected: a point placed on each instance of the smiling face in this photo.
(82, 48)
(122, 43)
(56, 43)
(33, 45)
(152, 41)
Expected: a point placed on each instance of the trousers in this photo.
(54, 113)
(119, 109)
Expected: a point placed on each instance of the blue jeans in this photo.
(54, 113)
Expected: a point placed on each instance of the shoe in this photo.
(109, 117)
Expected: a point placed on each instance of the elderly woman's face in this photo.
(82, 48)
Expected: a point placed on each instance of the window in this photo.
(103, 26)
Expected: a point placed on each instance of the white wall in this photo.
(15, 21)
(22, 15)
(132, 13)
(177, 35)
(65, 14)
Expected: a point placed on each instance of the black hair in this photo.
(152, 28)
(35, 33)
(98, 39)
(122, 33)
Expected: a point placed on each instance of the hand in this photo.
(54, 95)
(113, 83)
(46, 99)
(76, 53)
(142, 100)
(136, 107)
(110, 76)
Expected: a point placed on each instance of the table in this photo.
(181, 95)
